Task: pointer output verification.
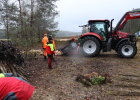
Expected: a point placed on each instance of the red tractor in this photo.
(101, 36)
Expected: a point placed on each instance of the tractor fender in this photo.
(91, 34)
(122, 40)
(99, 39)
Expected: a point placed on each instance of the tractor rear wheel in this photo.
(90, 46)
(127, 50)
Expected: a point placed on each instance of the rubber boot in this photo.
(53, 58)
(45, 57)
(49, 62)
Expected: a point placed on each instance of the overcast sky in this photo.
(73, 13)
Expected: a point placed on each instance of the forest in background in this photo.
(24, 21)
(62, 33)
(2, 34)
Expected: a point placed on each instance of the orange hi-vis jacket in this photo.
(44, 41)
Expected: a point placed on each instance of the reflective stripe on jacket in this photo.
(2, 75)
(51, 46)
(5, 75)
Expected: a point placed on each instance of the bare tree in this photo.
(21, 18)
(4, 15)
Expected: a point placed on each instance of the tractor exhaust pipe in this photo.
(110, 36)
(111, 26)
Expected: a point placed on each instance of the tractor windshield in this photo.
(99, 28)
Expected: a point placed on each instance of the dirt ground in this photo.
(59, 83)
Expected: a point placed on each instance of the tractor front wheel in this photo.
(127, 50)
(90, 46)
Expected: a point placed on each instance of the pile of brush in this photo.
(93, 79)
(10, 59)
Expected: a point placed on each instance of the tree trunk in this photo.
(7, 20)
(32, 7)
(21, 18)
(39, 35)
(31, 22)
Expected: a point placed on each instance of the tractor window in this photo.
(99, 28)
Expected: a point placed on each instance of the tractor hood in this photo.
(122, 34)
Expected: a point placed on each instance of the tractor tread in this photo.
(127, 43)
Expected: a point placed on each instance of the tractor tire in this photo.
(127, 50)
(90, 46)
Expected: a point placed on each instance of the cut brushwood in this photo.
(93, 79)
(10, 59)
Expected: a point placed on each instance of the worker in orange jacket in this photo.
(44, 41)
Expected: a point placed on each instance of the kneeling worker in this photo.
(14, 88)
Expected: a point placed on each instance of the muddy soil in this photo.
(59, 83)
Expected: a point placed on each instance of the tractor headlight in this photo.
(132, 38)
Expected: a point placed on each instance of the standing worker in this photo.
(54, 45)
(50, 51)
(44, 41)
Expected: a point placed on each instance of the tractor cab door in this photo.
(99, 28)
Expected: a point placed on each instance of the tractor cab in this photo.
(100, 27)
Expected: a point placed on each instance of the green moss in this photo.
(97, 80)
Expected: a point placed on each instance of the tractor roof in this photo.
(105, 20)
(91, 21)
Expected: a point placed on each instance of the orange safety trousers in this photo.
(44, 52)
